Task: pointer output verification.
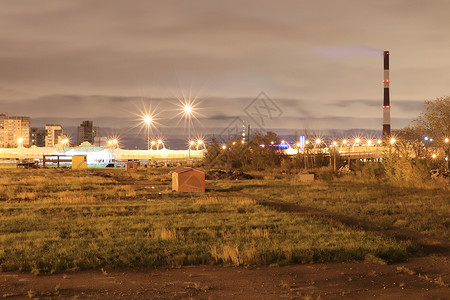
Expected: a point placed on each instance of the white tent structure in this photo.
(98, 155)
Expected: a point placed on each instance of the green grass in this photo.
(424, 208)
(56, 220)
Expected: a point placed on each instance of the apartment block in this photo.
(87, 132)
(53, 133)
(37, 137)
(13, 128)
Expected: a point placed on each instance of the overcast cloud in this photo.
(320, 61)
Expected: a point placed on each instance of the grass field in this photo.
(55, 220)
(424, 208)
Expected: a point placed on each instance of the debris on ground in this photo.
(440, 174)
(344, 170)
(227, 175)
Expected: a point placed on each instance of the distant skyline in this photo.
(319, 61)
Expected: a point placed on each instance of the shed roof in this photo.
(184, 169)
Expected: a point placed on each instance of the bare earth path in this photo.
(419, 278)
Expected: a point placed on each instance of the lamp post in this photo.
(160, 142)
(113, 143)
(191, 143)
(392, 141)
(356, 143)
(64, 142)
(19, 142)
(19, 148)
(199, 142)
(317, 142)
(148, 120)
(188, 112)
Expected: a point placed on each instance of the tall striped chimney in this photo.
(386, 100)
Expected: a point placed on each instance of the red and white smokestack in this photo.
(386, 100)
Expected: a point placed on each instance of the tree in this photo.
(435, 120)
(212, 153)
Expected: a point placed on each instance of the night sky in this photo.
(320, 62)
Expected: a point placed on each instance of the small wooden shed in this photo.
(79, 162)
(188, 180)
(131, 166)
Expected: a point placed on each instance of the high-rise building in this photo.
(37, 137)
(13, 128)
(87, 132)
(53, 132)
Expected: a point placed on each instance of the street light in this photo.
(148, 120)
(19, 142)
(369, 143)
(160, 142)
(357, 140)
(64, 142)
(187, 109)
(113, 143)
(199, 142)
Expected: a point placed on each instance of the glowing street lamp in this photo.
(357, 140)
(298, 145)
(113, 143)
(191, 143)
(64, 142)
(160, 142)
(19, 142)
(199, 142)
(344, 142)
(148, 120)
(187, 110)
(392, 141)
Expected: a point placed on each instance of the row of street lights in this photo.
(187, 111)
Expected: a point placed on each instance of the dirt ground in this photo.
(418, 278)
